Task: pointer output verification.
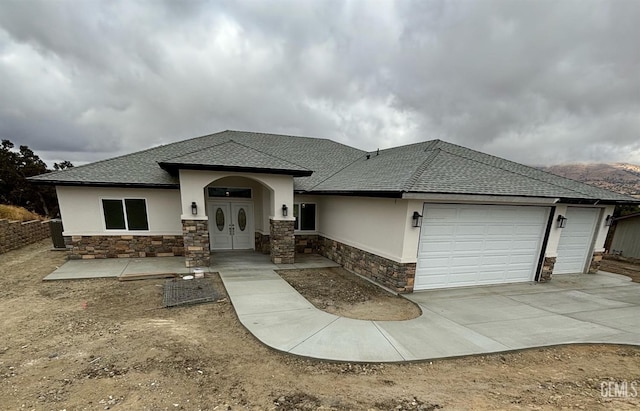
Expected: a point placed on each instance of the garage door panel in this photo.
(470, 230)
(526, 244)
(467, 245)
(478, 244)
(497, 245)
(440, 229)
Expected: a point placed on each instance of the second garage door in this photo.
(576, 240)
(463, 245)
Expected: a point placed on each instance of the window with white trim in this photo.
(129, 214)
(305, 215)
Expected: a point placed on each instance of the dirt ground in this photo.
(337, 291)
(104, 344)
(622, 267)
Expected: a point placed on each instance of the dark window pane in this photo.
(136, 214)
(113, 214)
(220, 219)
(307, 216)
(296, 214)
(229, 192)
(242, 219)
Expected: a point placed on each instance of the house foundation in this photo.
(397, 276)
(123, 246)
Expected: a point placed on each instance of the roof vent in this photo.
(368, 156)
(378, 152)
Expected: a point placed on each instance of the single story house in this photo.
(626, 236)
(415, 217)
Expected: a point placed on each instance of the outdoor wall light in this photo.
(608, 221)
(285, 210)
(194, 208)
(417, 219)
(562, 221)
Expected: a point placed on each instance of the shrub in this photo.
(14, 213)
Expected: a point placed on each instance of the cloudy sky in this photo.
(539, 82)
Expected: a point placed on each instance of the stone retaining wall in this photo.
(397, 276)
(124, 246)
(16, 234)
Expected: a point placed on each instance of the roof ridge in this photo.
(231, 140)
(267, 154)
(411, 181)
(512, 171)
(195, 150)
(285, 135)
(336, 173)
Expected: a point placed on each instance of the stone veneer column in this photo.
(196, 243)
(547, 269)
(595, 262)
(283, 242)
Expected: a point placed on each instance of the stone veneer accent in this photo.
(195, 234)
(262, 243)
(307, 244)
(16, 234)
(547, 269)
(123, 246)
(283, 249)
(397, 276)
(595, 262)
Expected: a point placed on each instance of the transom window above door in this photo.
(228, 192)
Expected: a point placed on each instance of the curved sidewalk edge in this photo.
(603, 308)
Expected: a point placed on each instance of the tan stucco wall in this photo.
(375, 225)
(81, 209)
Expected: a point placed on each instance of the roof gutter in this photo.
(104, 184)
(442, 197)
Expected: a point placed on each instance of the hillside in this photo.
(623, 178)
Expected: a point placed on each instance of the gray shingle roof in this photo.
(439, 167)
(428, 167)
(323, 157)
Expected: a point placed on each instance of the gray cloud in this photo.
(538, 82)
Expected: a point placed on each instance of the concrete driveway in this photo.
(586, 308)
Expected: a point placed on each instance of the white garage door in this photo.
(576, 240)
(463, 245)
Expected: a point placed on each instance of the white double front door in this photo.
(230, 225)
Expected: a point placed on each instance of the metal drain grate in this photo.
(184, 292)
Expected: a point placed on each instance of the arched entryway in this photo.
(237, 208)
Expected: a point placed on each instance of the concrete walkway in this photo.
(587, 308)
(115, 267)
(601, 308)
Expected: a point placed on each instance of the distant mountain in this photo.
(622, 178)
